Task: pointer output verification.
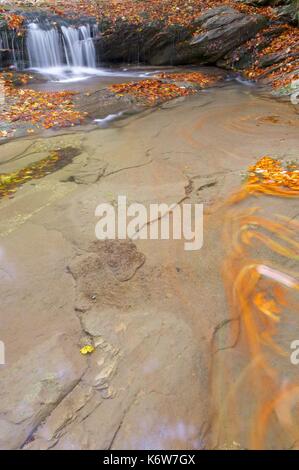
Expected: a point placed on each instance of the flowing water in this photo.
(168, 320)
(62, 53)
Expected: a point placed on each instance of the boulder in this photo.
(222, 29)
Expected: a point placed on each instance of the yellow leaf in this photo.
(88, 349)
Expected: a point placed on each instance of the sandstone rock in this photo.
(145, 409)
(271, 59)
(32, 388)
(64, 413)
(257, 3)
(123, 259)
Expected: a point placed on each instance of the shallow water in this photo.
(196, 149)
(62, 78)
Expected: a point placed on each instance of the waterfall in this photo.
(61, 52)
(78, 46)
(43, 47)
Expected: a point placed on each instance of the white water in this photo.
(78, 46)
(110, 118)
(65, 55)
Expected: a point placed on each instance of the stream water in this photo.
(197, 148)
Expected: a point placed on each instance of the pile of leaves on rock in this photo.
(35, 108)
(271, 176)
(282, 71)
(13, 21)
(198, 78)
(151, 92)
(278, 61)
(179, 12)
(57, 159)
(164, 87)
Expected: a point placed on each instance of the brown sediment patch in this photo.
(275, 119)
(101, 274)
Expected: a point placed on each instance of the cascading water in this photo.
(43, 47)
(78, 46)
(59, 51)
(63, 52)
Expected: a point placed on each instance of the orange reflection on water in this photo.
(260, 288)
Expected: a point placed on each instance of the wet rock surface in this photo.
(34, 386)
(149, 308)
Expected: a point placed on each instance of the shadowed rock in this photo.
(221, 30)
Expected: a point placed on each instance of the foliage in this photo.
(151, 91)
(269, 175)
(40, 109)
(179, 12)
(287, 45)
(9, 183)
(197, 78)
(14, 22)
(261, 295)
(88, 349)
